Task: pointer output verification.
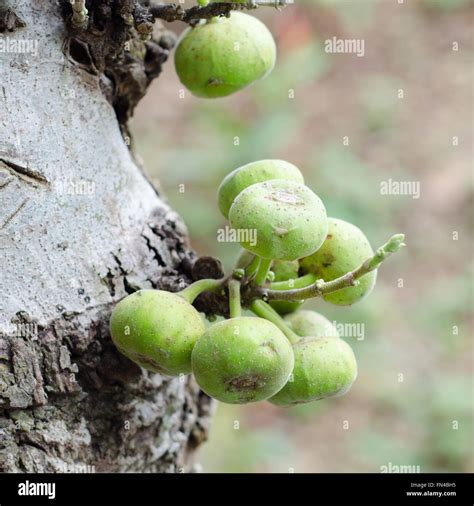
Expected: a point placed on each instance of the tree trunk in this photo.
(80, 228)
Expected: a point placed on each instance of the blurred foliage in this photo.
(352, 14)
(245, 450)
(446, 5)
(415, 358)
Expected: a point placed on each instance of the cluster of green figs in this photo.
(223, 55)
(282, 353)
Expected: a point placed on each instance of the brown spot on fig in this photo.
(245, 382)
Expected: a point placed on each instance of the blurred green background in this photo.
(412, 403)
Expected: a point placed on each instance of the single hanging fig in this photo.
(223, 55)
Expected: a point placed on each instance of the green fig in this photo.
(157, 330)
(345, 248)
(324, 367)
(285, 270)
(287, 218)
(241, 360)
(223, 55)
(310, 323)
(254, 172)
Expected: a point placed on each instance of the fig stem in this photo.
(235, 308)
(191, 292)
(262, 309)
(321, 287)
(263, 268)
(289, 284)
(244, 263)
(252, 267)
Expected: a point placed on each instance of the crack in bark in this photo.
(155, 251)
(109, 281)
(129, 288)
(14, 213)
(26, 174)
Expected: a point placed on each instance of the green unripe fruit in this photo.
(309, 323)
(284, 307)
(224, 55)
(255, 172)
(283, 272)
(157, 330)
(345, 248)
(324, 367)
(242, 360)
(287, 218)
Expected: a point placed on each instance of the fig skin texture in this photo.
(310, 323)
(157, 330)
(241, 360)
(289, 220)
(284, 271)
(324, 367)
(254, 172)
(345, 248)
(223, 55)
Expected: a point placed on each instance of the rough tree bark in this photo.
(80, 227)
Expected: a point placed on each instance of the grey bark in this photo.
(80, 227)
